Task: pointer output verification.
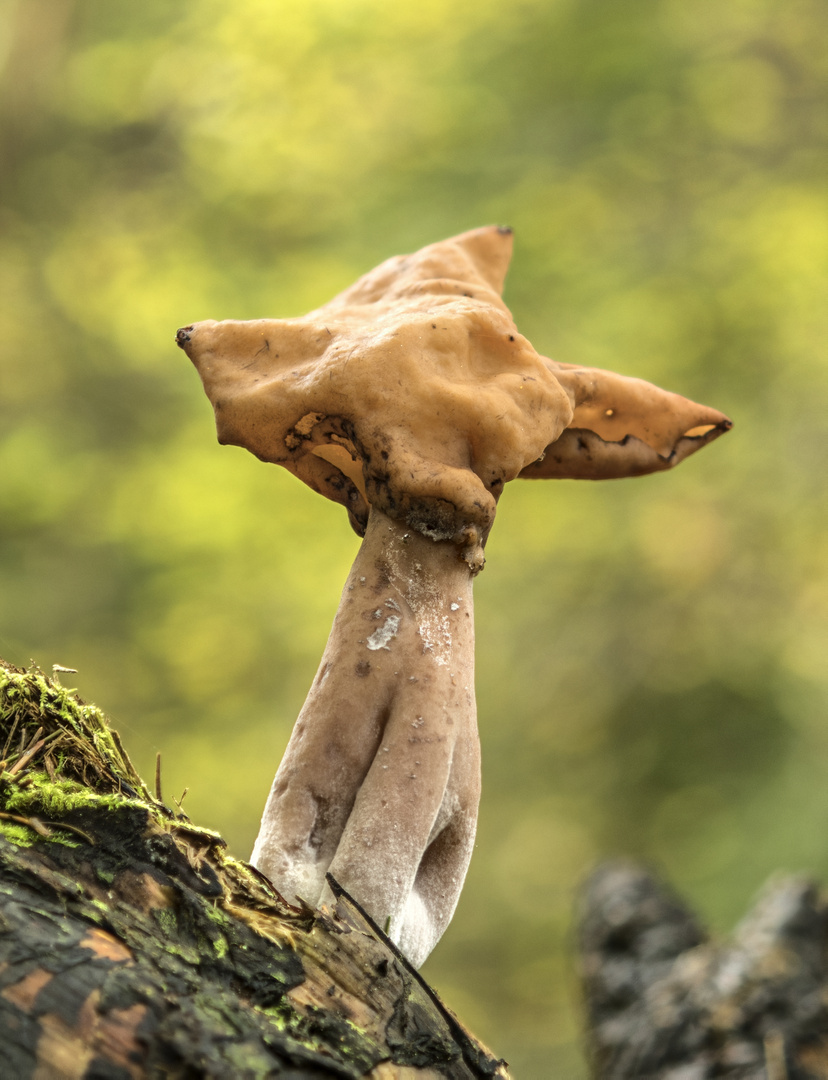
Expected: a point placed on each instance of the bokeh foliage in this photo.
(652, 654)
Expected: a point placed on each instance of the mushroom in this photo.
(411, 399)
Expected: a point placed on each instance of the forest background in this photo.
(652, 675)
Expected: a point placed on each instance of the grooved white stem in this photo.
(380, 781)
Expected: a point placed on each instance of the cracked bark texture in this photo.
(132, 945)
(664, 1002)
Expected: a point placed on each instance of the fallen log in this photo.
(133, 945)
(664, 1002)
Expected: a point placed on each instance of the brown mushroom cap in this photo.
(413, 392)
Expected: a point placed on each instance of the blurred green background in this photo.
(653, 653)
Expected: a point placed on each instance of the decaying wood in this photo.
(666, 1003)
(132, 945)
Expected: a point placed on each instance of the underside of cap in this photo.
(580, 454)
(623, 426)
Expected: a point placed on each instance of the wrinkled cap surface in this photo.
(413, 392)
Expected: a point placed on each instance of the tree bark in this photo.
(132, 945)
(666, 1003)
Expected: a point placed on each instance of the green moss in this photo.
(19, 835)
(28, 701)
(27, 836)
(184, 827)
(55, 798)
(65, 839)
(177, 942)
(166, 920)
(221, 923)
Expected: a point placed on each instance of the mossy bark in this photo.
(132, 945)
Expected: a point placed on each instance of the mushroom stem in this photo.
(380, 781)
